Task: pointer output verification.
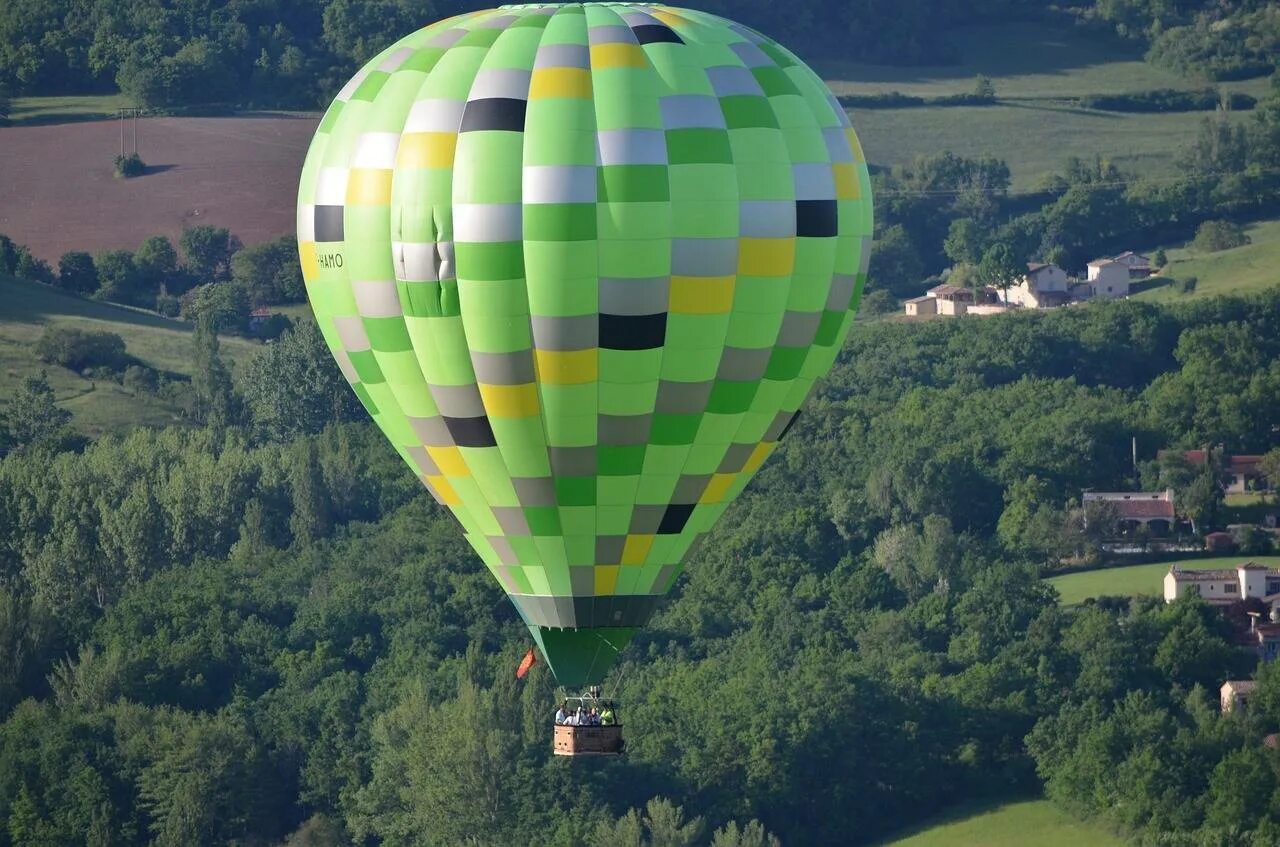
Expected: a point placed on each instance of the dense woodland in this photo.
(259, 627)
(181, 53)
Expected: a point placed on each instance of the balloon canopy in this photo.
(582, 264)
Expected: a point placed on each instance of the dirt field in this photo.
(57, 192)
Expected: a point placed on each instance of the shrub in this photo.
(140, 379)
(889, 100)
(1189, 284)
(128, 165)
(1219, 235)
(79, 349)
(30, 268)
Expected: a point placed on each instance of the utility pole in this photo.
(135, 131)
(120, 112)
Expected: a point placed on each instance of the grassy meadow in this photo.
(97, 406)
(1017, 824)
(1136, 580)
(64, 109)
(1253, 267)
(1038, 72)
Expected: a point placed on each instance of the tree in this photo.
(294, 386)
(33, 416)
(311, 519)
(1160, 259)
(1269, 467)
(752, 835)
(270, 272)
(118, 278)
(215, 403)
(1213, 236)
(1000, 268)
(895, 263)
(1201, 499)
(224, 306)
(77, 349)
(157, 264)
(1240, 789)
(77, 273)
(984, 88)
(966, 241)
(207, 251)
(879, 302)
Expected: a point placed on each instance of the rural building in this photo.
(921, 306)
(1240, 473)
(1108, 278)
(1234, 694)
(1224, 586)
(1043, 286)
(951, 299)
(1267, 638)
(1139, 265)
(1153, 509)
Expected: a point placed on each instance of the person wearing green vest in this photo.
(606, 716)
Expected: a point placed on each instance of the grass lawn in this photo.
(1029, 822)
(97, 406)
(85, 107)
(1038, 70)
(1133, 580)
(1253, 267)
(1024, 60)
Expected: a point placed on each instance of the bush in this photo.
(1166, 100)
(1213, 236)
(129, 165)
(1189, 284)
(168, 304)
(79, 349)
(890, 100)
(30, 268)
(140, 379)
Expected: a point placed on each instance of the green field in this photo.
(1021, 824)
(87, 107)
(97, 406)
(1253, 267)
(1133, 580)
(1038, 70)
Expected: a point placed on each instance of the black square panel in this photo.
(328, 223)
(501, 113)
(471, 432)
(817, 219)
(674, 519)
(656, 34)
(633, 332)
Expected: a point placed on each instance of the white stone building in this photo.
(1109, 278)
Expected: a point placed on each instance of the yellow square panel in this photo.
(847, 185)
(766, 256)
(426, 150)
(717, 487)
(618, 56)
(758, 455)
(443, 490)
(636, 548)
(449, 460)
(307, 257)
(560, 82)
(855, 146)
(369, 187)
(567, 367)
(510, 401)
(606, 580)
(701, 295)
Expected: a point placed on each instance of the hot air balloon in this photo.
(582, 264)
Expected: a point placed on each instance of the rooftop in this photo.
(1136, 504)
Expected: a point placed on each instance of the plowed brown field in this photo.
(57, 192)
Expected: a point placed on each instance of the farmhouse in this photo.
(1153, 509)
(921, 306)
(951, 299)
(1240, 473)
(1139, 265)
(1041, 287)
(1108, 278)
(1234, 694)
(1222, 587)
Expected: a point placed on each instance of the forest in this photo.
(257, 627)
(177, 54)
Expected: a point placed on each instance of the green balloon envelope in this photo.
(583, 264)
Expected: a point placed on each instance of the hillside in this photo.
(1038, 71)
(1008, 826)
(97, 406)
(1252, 267)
